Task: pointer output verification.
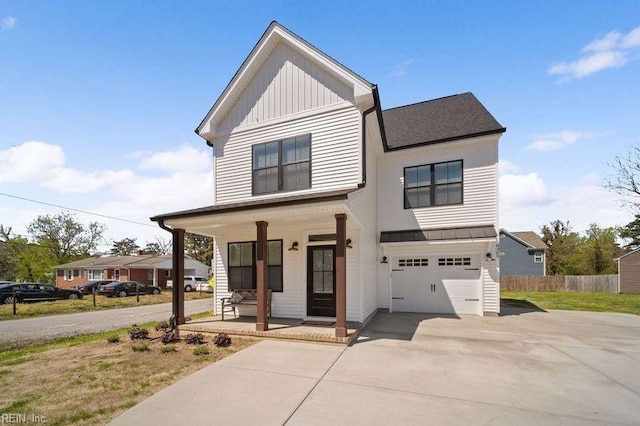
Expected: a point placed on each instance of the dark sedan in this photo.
(127, 288)
(30, 292)
(87, 288)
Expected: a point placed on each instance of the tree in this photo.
(562, 243)
(21, 260)
(631, 233)
(596, 252)
(124, 247)
(64, 238)
(626, 180)
(199, 247)
(158, 247)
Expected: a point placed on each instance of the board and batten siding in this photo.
(288, 82)
(629, 273)
(480, 189)
(335, 153)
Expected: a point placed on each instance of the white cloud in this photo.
(400, 70)
(185, 159)
(556, 141)
(8, 23)
(29, 162)
(613, 50)
(507, 167)
(527, 203)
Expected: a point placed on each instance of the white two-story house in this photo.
(342, 208)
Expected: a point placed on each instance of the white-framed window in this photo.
(94, 274)
(68, 274)
(538, 257)
(150, 274)
(454, 261)
(116, 274)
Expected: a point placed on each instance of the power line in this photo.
(77, 210)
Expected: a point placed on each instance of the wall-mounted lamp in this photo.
(489, 256)
(384, 259)
(349, 243)
(294, 246)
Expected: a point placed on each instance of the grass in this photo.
(572, 301)
(31, 310)
(88, 380)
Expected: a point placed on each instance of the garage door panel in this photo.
(441, 286)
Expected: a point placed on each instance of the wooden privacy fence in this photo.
(579, 283)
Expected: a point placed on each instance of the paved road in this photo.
(92, 322)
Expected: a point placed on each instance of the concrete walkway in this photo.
(523, 368)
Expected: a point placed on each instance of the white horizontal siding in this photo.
(287, 83)
(491, 287)
(480, 194)
(335, 153)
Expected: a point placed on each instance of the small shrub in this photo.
(201, 350)
(194, 339)
(140, 347)
(169, 337)
(113, 339)
(138, 333)
(162, 326)
(168, 349)
(222, 340)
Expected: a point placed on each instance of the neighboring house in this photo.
(629, 272)
(359, 209)
(147, 269)
(523, 253)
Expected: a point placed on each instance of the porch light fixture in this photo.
(294, 246)
(384, 259)
(349, 243)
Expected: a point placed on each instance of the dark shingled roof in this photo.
(439, 120)
(439, 234)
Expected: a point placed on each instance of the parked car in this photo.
(190, 282)
(127, 288)
(204, 287)
(87, 288)
(35, 292)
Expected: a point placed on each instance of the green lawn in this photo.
(30, 310)
(572, 301)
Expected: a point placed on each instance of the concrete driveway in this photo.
(526, 367)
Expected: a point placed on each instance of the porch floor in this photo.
(279, 328)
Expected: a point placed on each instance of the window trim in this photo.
(68, 274)
(280, 166)
(254, 267)
(537, 259)
(432, 184)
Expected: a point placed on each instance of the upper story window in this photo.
(538, 257)
(282, 165)
(433, 185)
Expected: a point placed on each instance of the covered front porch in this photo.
(279, 328)
(302, 229)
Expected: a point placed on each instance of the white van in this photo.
(190, 282)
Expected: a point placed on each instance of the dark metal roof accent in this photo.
(439, 234)
(258, 204)
(438, 120)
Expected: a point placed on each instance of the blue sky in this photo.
(97, 99)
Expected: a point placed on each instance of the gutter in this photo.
(376, 106)
(165, 227)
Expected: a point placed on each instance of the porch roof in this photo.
(292, 200)
(439, 234)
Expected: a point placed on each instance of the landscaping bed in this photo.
(92, 379)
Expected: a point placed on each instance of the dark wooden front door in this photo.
(321, 281)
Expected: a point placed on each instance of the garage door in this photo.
(436, 284)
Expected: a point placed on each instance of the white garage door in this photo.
(436, 284)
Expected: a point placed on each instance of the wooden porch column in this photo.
(341, 275)
(262, 323)
(178, 275)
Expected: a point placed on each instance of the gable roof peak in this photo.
(274, 34)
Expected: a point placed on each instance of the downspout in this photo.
(376, 105)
